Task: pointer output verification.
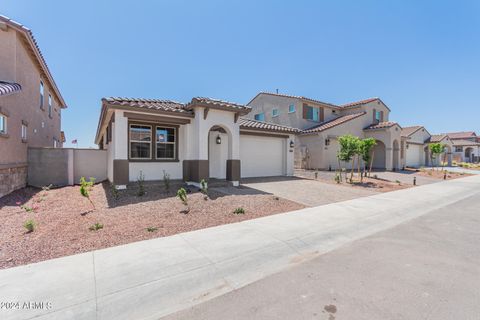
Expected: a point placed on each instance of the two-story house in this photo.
(30, 103)
(466, 146)
(321, 124)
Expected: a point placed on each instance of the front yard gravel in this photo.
(62, 218)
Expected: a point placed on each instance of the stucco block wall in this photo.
(61, 167)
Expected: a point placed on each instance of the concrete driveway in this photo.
(308, 192)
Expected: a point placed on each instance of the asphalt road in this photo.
(428, 268)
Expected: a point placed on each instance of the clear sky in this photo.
(422, 58)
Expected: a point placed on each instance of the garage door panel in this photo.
(262, 156)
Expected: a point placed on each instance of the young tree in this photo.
(366, 146)
(349, 148)
(435, 150)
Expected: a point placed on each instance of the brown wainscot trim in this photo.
(264, 134)
(153, 150)
(233, 170)
(120, 172)
(195, 170)
(155, 119)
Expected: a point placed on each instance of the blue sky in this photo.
(421, 57)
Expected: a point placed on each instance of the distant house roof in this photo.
(381, 125)
(32, 42)
(218, 104)
(9, 87)
(149, 105)
(462, 142)
(333, 123)
(350, 105)
(408, 131)
(437, 137)
(267, 126)
(295, 97)
(461, 135)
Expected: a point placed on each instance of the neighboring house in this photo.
(320, 124)
(445, 157)
(202, 139)
(417, 154)
(30, 103)
(466, 146)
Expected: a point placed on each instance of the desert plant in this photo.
(141, 184)
(86, 187)
(182, 195)
(239, 210)
(435, 150)
(365, 147)
(204, 188)
(398, 182)
(95, 227)
(152, 229)
(27, 208)
(337, 177)
(166, 180)
(114, 191)
(30, 225)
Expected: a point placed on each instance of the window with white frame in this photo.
(3, 124)
(274, 112)
(140, 141)
(291, 108)
(166, 143)
(41, 94)
(24, 131)
(312, 113)
(50, 105)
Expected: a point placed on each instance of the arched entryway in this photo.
(396, 155)
(379, 156)
(219, 151)
(468, 154)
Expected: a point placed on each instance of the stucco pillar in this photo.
(120, 150)
(389, 159)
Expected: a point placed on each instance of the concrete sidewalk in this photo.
(153, 278)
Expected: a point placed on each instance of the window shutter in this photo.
(322, 114)
(374, 115)
(305, 110)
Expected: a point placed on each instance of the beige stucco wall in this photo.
(16, 65)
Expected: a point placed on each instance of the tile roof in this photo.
(463, 142)
(294, 97)
(381, 125)
(9, 87)
(267, 126)
(357, 103)
(437, 137)
(37, 52)
(461, 135)
(218, 104)
(149, 104)
(408, 131)
(333, 123)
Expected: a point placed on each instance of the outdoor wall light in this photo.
(219, 140)
(292, 144)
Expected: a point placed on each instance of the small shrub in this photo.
(86, 187)
(95, 227)
(30, 225)
(114, 191)
(152, 229)
(398, 181)
(337, 177)
(239, 211)
(429, 172)
(26, 208)
(375, 176)
(166, 180)
(141, 185)
(204, 186)
(182, 195)
(276, 198)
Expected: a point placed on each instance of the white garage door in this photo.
(262, 156)
(414, 156)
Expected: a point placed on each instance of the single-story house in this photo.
(320, 124)
(466, 146)
(202, 139)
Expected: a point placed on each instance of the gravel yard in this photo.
(63, 219)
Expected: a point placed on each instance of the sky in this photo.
(422, 58)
